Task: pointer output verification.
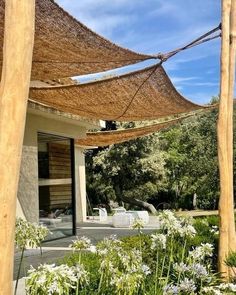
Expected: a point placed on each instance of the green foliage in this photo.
(134, 242)
(89, 260)
(191, 161)
(169, 167)
(208, 232)
(231, 260)
(131, 169)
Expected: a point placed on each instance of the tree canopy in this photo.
(170, 167)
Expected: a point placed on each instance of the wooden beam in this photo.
(17, 60)
(225, 146)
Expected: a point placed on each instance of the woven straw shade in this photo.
(105, 138)
(65, 47)
(113, 98)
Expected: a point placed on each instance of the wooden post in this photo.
(17, 60)
(232, 56)
(225, 141)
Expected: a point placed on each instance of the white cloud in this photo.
(182, 79)
(102, 16)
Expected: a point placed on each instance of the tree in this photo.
(130, 172)
(191, 161)
(168, 167)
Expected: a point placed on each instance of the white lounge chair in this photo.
(102, 214)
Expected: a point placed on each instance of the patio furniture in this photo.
(102, 214)
(143, 215)
(122, 219)
(119, 210)
(50, 221)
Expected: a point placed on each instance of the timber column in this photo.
(14, 88)
(227, 241)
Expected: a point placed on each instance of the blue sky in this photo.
(152, 26)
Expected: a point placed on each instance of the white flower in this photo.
(187, 231)
(214, 229)
(53, 288)
(211, 291)
(82, 243)
(187, 286)
(55, 280)
(146, 270)
(102, 252)
(93, 249)
(199, 271)
(158, 241)
(108, 246)
(200, 252)
(138, 224)
(207, 249)
(170, 290)
(181, 267)
(227, 287)
(169, 223)
(126, 283)
(29, 235)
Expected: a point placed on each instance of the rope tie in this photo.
(165, 56)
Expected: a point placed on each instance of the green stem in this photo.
(19, 269)
(182, 260)
(163, 265)
(162, 272)
(79, 257)
(201, 287)
(170, 261)
(140, 243)
(156, 274)
(100, 282)
(77, 288)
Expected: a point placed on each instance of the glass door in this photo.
(56, 184)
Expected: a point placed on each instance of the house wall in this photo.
(28, 202)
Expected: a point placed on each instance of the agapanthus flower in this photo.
(57, 280)
(29, 235)
(146, 269)
(138, 224)
(181, 267)
(168, 223)
(82, 243)
(200, 252)
(158, 241)
(171, 290)
(187, 286)
(199, 270)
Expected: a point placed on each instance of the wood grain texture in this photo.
(225, 144)
(14, 88)
(232, 56)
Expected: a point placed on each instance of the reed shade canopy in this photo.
(105, 138)
(64, 47)
(115, 99)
